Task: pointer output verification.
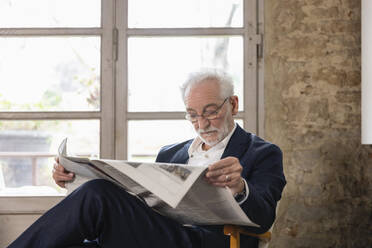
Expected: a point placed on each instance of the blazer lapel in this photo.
(237, 144)
(181, 156)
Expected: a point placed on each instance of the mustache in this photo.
(210, 129)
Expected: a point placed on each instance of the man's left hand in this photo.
(226, 172)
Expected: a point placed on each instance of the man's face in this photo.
(205, 97)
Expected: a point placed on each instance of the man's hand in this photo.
(226, 172)
(60, 174)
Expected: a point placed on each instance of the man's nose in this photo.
(203, 122)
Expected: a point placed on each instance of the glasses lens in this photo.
(210, 115)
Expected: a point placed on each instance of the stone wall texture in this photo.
(312, 111)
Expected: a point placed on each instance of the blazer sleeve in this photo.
(263, 171)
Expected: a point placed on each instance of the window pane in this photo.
(172, 13)
(145, 138)
(158, 66)
(49, 73)
(50, 13)
(27, 150)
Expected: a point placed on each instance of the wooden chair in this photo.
(234, 232)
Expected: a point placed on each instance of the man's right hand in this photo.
(60, 174)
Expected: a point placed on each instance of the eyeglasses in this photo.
(207, 114)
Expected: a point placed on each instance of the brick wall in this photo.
(312, 111)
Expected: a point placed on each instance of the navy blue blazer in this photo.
(262, 169)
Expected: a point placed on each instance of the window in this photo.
(56, 81)
(159, 43)
(106, 74)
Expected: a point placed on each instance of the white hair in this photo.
(222, 78)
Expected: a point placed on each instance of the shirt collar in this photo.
(197, 143)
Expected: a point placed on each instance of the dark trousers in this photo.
(101, 210)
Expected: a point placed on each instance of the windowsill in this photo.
(28, 200)
(30, 191)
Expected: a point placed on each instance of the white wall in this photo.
(11, 226)
(366, 72)
(19, 213)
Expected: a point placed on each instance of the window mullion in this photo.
(184, 31)
(260, 72)
(49, 31)
(107, 133)
(250, 66)
(60, 115)
(162, 115)
(121, 73)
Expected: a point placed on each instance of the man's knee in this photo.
(107, 193)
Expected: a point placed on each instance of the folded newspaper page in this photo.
(174, 190)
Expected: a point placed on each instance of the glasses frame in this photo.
(211, 116)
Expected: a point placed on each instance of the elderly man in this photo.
(249, 166)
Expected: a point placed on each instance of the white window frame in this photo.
(252, 34)
(114, 115)
(34, 205)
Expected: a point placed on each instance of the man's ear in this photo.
(235, 104)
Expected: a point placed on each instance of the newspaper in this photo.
(174, 190)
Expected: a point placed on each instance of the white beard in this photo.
(221, 132)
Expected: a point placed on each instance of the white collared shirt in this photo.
(200, 157)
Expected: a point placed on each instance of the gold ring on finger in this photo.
(227, 178)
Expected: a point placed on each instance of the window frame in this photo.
(39, 204)
(252, 33)
(107, 105)
(114, 115)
